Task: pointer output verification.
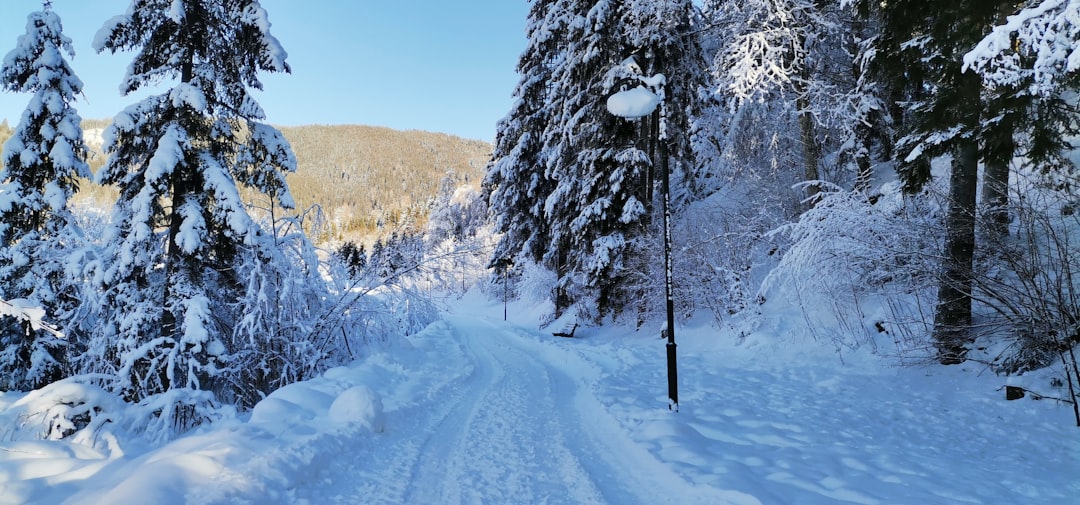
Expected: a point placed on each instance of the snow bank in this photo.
(289, 438)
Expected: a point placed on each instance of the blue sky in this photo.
(433, 65)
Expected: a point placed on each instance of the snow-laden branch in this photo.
(1036, 48)
(23, 310)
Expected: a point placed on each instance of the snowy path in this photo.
(517, 429)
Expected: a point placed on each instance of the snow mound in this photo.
(361, 406)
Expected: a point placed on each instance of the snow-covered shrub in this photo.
(67, 409)
(722, 253)
(272, 340)
(848, 252)
(1031, 285)
(529, 282)
(375, 303)
(160, 417)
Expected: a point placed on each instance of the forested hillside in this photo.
(364, 178)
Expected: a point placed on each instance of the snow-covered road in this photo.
(517, 429)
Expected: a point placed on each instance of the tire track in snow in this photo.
(501, 445)
(539, 435)
(624, 470)
(518, 425)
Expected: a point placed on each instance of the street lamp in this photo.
(635, 103)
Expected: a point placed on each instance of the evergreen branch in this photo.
(26, 314)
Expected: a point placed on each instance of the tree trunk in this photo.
(1000, 149)
(864, 127)
(807, 136)
(865, 177)
(952, 319)
(810, 149)
(995, 189)
(181, 187)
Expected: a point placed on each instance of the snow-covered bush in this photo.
(389, 296)
(69, 409)
(848, 252)
(723, 252)
(528, 281)
(1031, 286)
(272, 340)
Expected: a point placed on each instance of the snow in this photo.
(275, 53)
(1045, 33)
(101, 37)
(359, 405)
(187, 94)
(27, 311)
(177, 12)
(633, 103)
(475, 409)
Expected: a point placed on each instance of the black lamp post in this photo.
(648, 99)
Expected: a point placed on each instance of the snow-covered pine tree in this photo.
(602, 165)
(181, 234)
(42, 161)
(1033, 54)
(516, 184)
(674, 48)
(1032, 59)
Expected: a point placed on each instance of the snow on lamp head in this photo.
(633, 103)
(638, 101)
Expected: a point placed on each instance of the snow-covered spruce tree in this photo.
(42, 161)
(182, 240)
(1033, 55)
(599, 209)
(516, 184)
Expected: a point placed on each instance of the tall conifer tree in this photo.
(516, 184)
(572, 183)
(179, 227)
(922, 47)
(42, 161)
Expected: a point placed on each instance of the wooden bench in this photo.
(567, 334)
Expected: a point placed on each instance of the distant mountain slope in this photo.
(361, 176)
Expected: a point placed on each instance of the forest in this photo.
(910, 163)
